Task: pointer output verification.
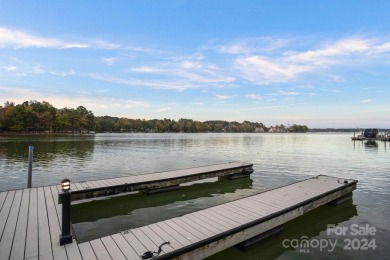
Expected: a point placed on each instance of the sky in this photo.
(318, 63)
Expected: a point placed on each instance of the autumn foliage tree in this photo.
(34, 116)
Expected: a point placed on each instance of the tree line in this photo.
(34, 116)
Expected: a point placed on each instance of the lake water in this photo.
(278, 159)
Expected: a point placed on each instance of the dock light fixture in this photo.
(65, 236)
(65, 185)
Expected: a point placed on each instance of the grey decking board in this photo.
(212, 220)
(227, 214)
(259, 207)
(86, 251)
(194, 225)
(247, 209)
(127, 250)
(200, 222)
(100, 250)
(78, 186)
(164, 236)
(222, 217)
(156, 238)
(5, 211)
(138, 247)
(185, 233)
(19, 243)
(174, 233)
(73, 251)
(113, 248)
(231, 214)
(3, 195)
(149, 244)
(31, 249)
(10, 227)
(44, 241)
(245, 214)
(195, 232)
(54, 224)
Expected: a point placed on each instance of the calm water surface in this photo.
(278, 159)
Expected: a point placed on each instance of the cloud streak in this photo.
(291, 64)
(19, 39)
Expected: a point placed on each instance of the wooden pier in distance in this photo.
(30, 223)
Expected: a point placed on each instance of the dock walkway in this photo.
(30, 224)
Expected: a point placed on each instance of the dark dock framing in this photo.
(30, 223)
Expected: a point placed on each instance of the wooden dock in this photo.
(159, 181)
(30, 224)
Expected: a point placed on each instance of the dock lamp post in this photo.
(65, 237)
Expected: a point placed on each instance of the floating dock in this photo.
(160, 181)
(30, 223)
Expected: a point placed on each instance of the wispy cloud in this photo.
(63, 73)
(164, 109)
(18, 39)
(264, 68)
(197, 103)
(222, 97)
(366, 101)
(61, 99)
(10, 38)
(251, 45)
(145, 69)
(21, 68)
(109, 60)
(8, 68)
(254, 96)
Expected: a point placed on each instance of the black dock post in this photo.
(65, 237)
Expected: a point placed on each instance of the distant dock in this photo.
(30, 222)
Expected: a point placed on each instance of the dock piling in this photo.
(30, 161)
(65, 237)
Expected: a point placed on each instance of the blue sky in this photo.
(319, 63)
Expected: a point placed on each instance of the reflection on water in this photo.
(371, 144)
(278, 159)
(119, 213)
(52, 155)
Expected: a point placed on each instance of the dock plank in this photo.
(31, 249)
(127, 250)
(10, 227)
(146, 241)
(87, 251)
(3, 195)
(5, 211)
(197, 234)
(100, 250)
(113, 248)
(19, 243)
(54, 226)
(156, 238)
(44, 241)
(138, 247)
(164, 236)
(181, 238)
